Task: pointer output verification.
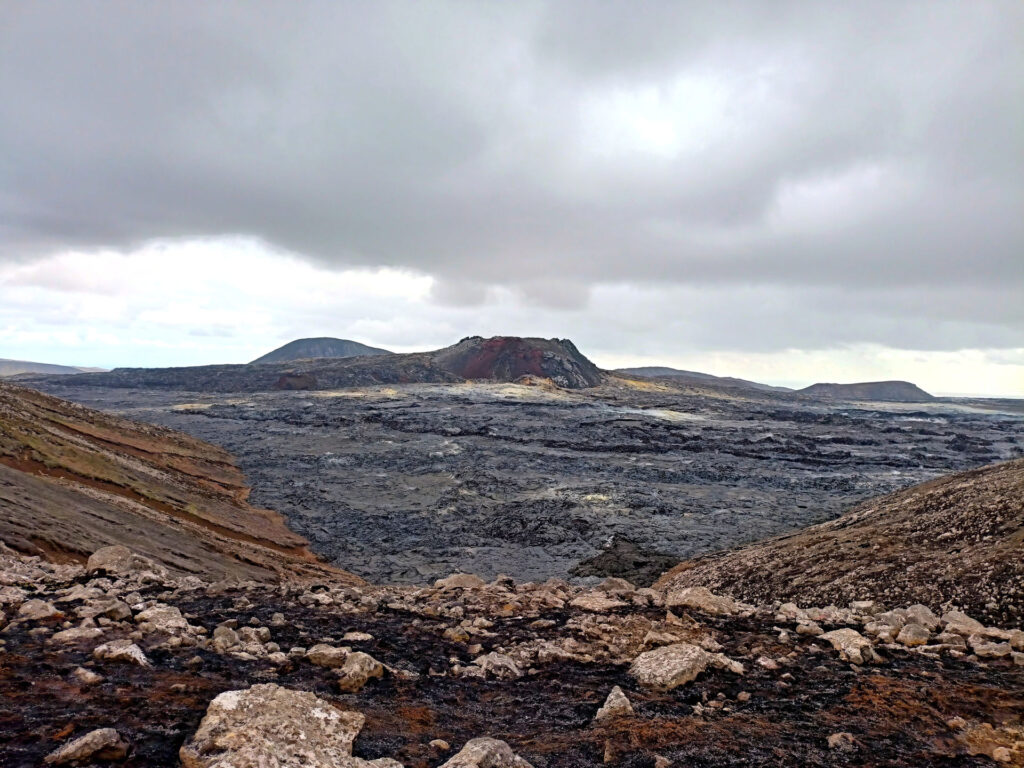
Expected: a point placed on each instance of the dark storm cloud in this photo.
(810, 147)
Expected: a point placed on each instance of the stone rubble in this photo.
(122, 614)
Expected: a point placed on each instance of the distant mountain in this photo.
(15, 367)
(502, 358)
(693, 377)
(884, 391)
(308, 349)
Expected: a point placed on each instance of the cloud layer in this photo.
(830, 173)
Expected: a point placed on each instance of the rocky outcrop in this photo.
(879, 391)
(76, 483)
(952, 543)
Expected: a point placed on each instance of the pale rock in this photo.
(101, 744)
(224, 638)
(851, 644)
(987, 650)
(865, 607)
(75, 635)
(460, 581)
(86, 676)
(486, 753)
(616, 586)
(121, 561)
(329, 656)
(596, 602)
(809, 628)
(499, 665)
(357, 670)
(670, 666)
(162, 618)
(922, 614)
(912, 635)
(121, 650)
(269, 725)
(356, 637)
(36, 610)
(791, 612)
(616, 705)
(842, 742)
(701, 599)
(961, 623)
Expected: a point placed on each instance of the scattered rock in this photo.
(121, 650)
(616, 705)
(357, 670)
(700, 599)
(913, 634)
(101, 744)
(269, 725)
(842, 742)
(324, 655)
(120, 561)
(669, 666)
(37, 610)
(851, 644)
(460, 581)
(486, 753)
(596, 602)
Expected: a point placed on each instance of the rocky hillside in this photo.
(502, 358)
(879, 391)
(305, 349)
(952, 542)
(123, 667)
(73, 480)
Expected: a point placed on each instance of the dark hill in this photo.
(699, 379)
(885, 391)
(953, 541)
(508, 358)
(306, 349)
(502, 358)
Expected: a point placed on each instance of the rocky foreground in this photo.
(118, 663)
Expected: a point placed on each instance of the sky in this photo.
(789, 192)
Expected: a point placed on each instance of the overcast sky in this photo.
(783, 191)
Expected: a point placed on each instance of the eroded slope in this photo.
(73, 480)
(955, 540)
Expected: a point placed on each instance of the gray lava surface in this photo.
(404, 484)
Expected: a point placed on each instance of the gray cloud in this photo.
(860, 152)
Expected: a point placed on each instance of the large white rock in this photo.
(486, 753)
(669, 666)
(700, 599)
(268, 725)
